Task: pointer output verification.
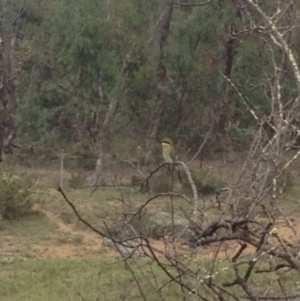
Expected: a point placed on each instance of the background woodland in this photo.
(104, 77)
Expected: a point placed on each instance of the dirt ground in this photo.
(91, 245)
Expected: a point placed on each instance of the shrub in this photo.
(16, 195)
(159, 225)
(84, 154)
(284, 184)
(241, 134)
(139, 181)
(124, 148)
(161, 182)
(78, 180)
(206, 183)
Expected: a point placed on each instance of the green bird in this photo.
(169, 153)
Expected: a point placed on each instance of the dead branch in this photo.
(279, 40)
(288, 297)
(193, 186)
(191, 4)
(201, 146)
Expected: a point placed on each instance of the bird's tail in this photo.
(178, 173)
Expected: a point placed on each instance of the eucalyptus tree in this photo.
(10, 12)
(94, 46)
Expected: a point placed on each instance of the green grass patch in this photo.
(33, 228)
(69, 280)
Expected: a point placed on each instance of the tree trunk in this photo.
(100, 133)
(227, 109)
(101, 141)
(161, 74)
(7, 87)
(99, 164)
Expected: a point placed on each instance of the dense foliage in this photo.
(73, 59)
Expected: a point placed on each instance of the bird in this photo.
(169, 154)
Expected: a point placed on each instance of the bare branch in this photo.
(194, 188)
(201, 146)
(280, 41)
(191, 4)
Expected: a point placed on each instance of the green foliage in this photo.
(83, 156)
(162, 181)
(205, 182)
(78, 180)
(125, 148)
(241, 134)
(70, 47)
(16, 195)
(159, 225)
(82, 150)
(89, 40)
(161, 184)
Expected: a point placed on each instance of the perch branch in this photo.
(193, 186)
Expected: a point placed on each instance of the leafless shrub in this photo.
(243, 253)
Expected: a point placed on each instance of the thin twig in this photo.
(201, 146)
(191, 4)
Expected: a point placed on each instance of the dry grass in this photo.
(51, 249)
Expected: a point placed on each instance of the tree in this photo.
(250, 212)
(92, 50)
(10, 13)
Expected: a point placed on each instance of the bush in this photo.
(16, 195)
(161, 182)
(241, 134)
(284, 184)
(78, 180)
(85, 156)
(159, 225)
(124, 148)
(206, 183)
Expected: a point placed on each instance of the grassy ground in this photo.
(49, 255)
(97, 279)
(85, 279)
